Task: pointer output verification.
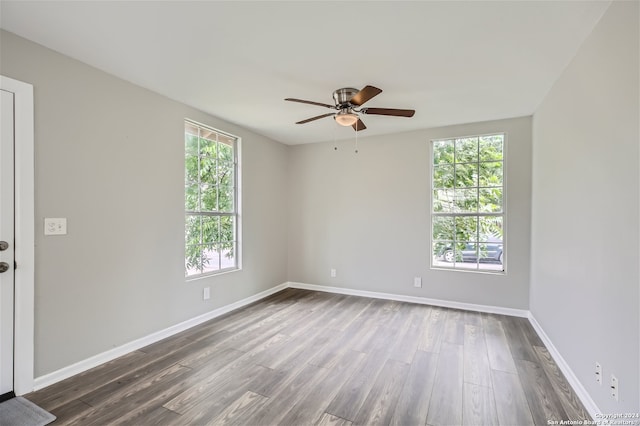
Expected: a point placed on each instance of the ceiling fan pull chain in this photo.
(356, 139)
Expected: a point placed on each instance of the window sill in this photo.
(471, 271)
(212, 274)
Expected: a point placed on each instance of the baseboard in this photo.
(414, 299)
(573, 380)
(94, 361)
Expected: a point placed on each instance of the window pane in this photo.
(443, 152)
(466, 200)
(466, 228)
(466, 150)
(193, 259)
(444, 200)
(208, 170)
(210, 229)
(225, 173)
(210, 259)
(191, 130)
(491, 147)
(467, 254)
(209, 198)
(225, 200)
(207, 147)
(466, 175)
(191, 198)
(191, 169)
(491, 174)
(190, 144)
(228, 255)
(443, 176)
(443, 253)
(490, 200)
(193, 230)
(490, 253)
(443, 228)
(490, 228)
(227, 228)
(225, 152)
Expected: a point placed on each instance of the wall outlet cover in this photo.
(615, 389)
(55, 226)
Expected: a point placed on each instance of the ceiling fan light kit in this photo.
(346, 102)
(346, 118)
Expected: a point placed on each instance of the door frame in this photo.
(23, 358)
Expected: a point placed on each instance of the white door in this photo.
(6, 241)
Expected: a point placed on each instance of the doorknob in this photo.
(4, 267)
(4, 245)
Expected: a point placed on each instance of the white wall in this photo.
(367, 216)
(584, 263)
(110, 158)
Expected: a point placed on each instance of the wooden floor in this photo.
(301, 358)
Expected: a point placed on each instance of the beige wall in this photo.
(109, 158)
(584, 280)
(367, 216)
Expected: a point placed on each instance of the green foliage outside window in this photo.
(467, 197)
(210, 212)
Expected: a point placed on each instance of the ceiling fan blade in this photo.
(358, 125)
(389, 111)
(315, 118)
(302, 101)
(364, 95)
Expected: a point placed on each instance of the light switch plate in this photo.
(55, 226)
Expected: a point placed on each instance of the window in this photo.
(467, 204)
(210, 200)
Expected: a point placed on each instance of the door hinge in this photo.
(15, 265)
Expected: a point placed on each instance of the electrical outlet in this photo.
(206, 293)
(598, 373)
(55, 226)
(333, 273)
(614, 387)
(417, 282)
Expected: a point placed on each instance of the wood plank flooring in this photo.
(309, 358)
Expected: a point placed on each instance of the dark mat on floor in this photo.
(21, 412)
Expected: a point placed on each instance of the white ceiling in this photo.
(452, 61)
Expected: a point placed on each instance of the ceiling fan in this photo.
(348, 103)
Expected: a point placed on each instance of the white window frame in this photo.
(236, 205)
(503, 214)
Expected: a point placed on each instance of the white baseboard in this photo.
(111, 354)
(414, 299)
(573, 380)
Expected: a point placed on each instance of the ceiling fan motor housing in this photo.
(343, 96)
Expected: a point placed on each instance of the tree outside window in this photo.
(211, 219)
(467, 217)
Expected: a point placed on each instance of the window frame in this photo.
(478, 214)
(235, 213)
